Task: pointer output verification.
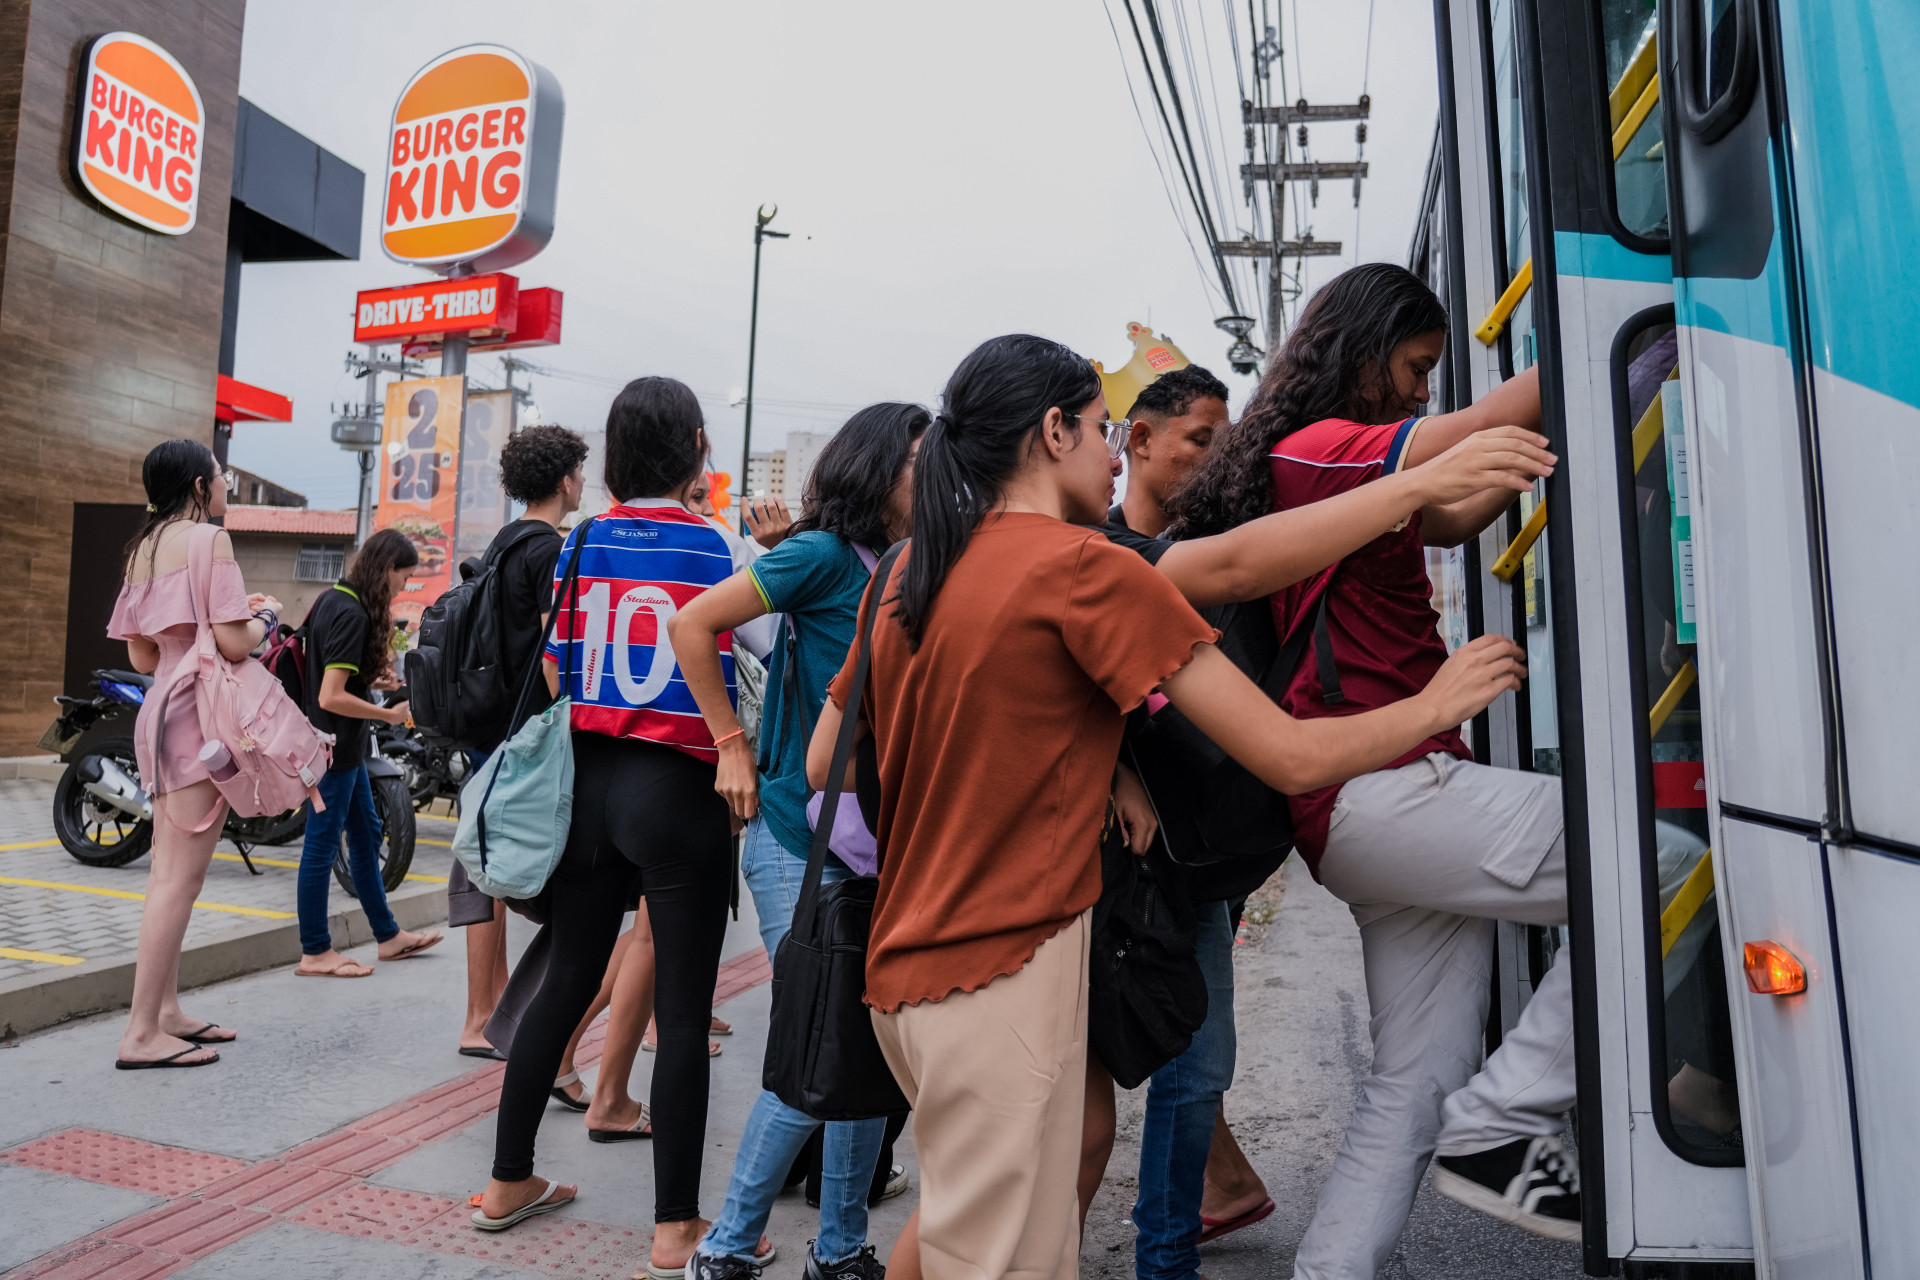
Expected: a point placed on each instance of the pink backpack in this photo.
(274, 754)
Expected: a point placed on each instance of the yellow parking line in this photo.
(141, 897)
(39, 957)
(444, 844)
(31, 844)
(294, 866)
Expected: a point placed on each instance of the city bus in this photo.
(1698, 219)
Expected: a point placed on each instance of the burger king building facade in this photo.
(134, 182)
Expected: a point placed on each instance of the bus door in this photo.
(1607, 557)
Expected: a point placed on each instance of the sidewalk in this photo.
(68, 931)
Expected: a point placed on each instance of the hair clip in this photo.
(149, 508)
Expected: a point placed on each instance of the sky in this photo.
(947, 173)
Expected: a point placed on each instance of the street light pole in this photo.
(761, 218)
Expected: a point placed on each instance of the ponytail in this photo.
(993, 402)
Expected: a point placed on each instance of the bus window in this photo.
(1512, 244)
(1696, 1102)
(1628, 36)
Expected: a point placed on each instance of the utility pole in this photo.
(761, 218)
(359, 432)
(1277, 174)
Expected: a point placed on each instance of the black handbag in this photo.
(822, 1057)
(1146, 995)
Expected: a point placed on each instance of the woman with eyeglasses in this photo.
(156, 615)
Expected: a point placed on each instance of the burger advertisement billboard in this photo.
(139, 132)
(473, 160)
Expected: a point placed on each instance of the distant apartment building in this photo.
(783, 473)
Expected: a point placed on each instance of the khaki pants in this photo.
(1428, 856)
(997, 1079)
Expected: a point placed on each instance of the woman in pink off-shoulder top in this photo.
(155, 615)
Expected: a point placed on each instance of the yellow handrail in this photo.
(1503, 310)
(1510, 560)
(1640, 69)
(1680, 912)
(1637, 116)
(1682, 681)
(1652, 424)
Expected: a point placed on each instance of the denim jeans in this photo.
(775, 1132)
(349, 799)
(1182, 1100)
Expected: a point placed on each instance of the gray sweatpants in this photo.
(1428, 856)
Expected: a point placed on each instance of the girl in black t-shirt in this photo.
(347, 652)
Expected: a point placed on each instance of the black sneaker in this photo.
(1528, 1182)
(861, 1266)
(720, 1267)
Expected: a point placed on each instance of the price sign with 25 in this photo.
(418, 463)
(420, 489)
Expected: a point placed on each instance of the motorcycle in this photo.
(434, 767)
(104, 817)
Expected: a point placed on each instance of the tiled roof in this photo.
(244, 519)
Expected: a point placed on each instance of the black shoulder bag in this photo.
(822, 1058)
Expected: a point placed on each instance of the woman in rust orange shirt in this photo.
(1015, 640)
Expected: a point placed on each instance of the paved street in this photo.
(341, 1135)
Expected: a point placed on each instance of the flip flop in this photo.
(487, 1051)
(651, 1272)
(338, 971)
(416, 948)
(201, 1036)
(559, 1093)
(1214, 1228)
(640, 1131)
(713, 1050)
(715, 1027)
(545, 1204)
(136, 1064)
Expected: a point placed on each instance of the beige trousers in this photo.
(997, 1079)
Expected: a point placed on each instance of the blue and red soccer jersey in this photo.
(640, 564)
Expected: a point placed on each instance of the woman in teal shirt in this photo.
(858, 502)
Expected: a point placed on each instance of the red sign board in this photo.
(477, 305)
(538, 326)
(1679, 784)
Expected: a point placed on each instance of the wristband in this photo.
(729, 737)
(269, 617)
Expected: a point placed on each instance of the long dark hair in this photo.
(179, 476)
(1334, 364)
(989, 410)
(367, 574)
(654, 439)
(847, 489)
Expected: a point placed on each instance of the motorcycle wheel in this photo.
(395, 810)
(90, 829)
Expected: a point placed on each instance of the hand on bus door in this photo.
(1477, 673)
(1509, 458)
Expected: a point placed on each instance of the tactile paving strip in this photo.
(217, 1199)
(124, 1162)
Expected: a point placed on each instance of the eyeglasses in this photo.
(233, 480)
(1116, 430)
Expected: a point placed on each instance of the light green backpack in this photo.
(515, 811)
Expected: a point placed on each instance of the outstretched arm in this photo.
(1296, 756)
(1274, 552)
(1515, 401)
(695, 634)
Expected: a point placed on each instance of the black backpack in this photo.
(457, 674)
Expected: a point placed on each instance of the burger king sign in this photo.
(139, 133)
(473, 157)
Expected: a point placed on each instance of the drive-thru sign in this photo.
(473, 158)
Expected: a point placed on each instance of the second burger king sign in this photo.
(473, 160)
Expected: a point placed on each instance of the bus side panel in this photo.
(1876, 902)
(1854, 138)
(1793, 1099)
(1753, 593)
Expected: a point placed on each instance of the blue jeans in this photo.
(775, 1132)
(349, 800)
(1182, 1100)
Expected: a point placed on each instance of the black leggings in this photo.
(646, 812)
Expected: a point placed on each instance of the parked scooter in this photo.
(104, 817)
(435, 767)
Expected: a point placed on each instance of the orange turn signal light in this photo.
(1772, 970)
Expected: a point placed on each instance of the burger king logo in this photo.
(139, 133)
(473, 158)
